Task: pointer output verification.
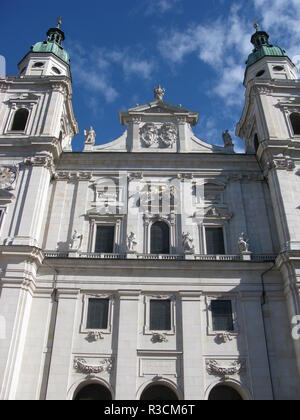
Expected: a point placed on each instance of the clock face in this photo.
(7, 177)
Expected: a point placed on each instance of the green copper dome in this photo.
(55, 38)
(262, 48)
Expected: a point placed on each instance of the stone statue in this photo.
(76, 241)
(227, 139)
(188, 243)
(243, 243)
(159, 93)
(131, 242)
(90, 136)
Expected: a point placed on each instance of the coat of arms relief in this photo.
(153, 135)
(8, 176)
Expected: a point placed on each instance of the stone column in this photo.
(15, 306)
(192, 346)
(31, 213)
(259, 369)
(126, 369)
(62, 359)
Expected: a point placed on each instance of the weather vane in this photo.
(59, 22)
(256, 25)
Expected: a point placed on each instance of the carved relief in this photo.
(82, 366)
(159, 338)
(168, 134)
(43, 161)
(214, 369)
(8, 177)
(165, 136)
(223, 338)
(282, 163)
(95, 336)
(149, 134)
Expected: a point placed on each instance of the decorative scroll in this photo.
(213, 368)
(82, 366)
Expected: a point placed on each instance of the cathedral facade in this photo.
(156, 266)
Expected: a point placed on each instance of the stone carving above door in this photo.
(163, 136)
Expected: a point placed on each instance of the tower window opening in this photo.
(295, 120)
(20, 120)
(278, 68)
(38, 65)
(260, 73)
(56, 70)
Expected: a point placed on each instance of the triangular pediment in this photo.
(158, 108)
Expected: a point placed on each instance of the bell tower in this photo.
(268, 61)
(47, 58)
(270, 129)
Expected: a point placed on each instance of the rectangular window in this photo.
(160, 315)
(105, 240)
(97, 318)
(215, 241)
(222, 315)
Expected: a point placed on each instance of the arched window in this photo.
(160, 238)
(20, 120)
(224, 393)
(94, 392)
(295, 120)
(158, 392)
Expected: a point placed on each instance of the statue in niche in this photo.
(90, 136)
(188, 243)
(76, 241)
(227, 139)
(244, 247)
(131, 243)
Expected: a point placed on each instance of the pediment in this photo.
(158, 108)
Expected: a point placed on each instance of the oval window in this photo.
(278, 68)
(260, 73)
(55, 70)
(38, 65)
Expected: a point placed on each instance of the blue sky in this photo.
(121, 49)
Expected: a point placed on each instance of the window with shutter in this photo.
(97, 317)
(160, 315)
(222, 315)
(215, 241)
(160, 239)
(105, 240)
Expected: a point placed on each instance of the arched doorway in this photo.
(224, 393)
(93, 392)
(159, 392)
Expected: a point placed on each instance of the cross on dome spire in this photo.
(59, 22)
(256, 26)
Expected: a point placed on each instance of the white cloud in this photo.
(94, 71)
(281, 18)
(160, 6)
(222, 44)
